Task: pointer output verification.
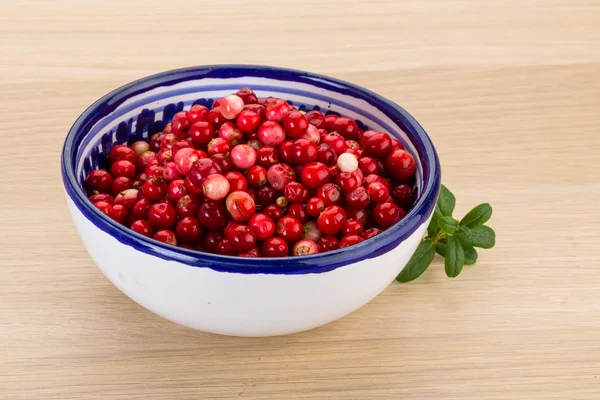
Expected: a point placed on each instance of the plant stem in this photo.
(439, 236)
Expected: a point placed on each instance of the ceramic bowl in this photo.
(231, 295)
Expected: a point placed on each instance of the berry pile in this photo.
(257, 177)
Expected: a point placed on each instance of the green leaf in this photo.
(470, 255)
(455, 257)
(464, 235)
(434, 228)
(448, 224)
(440, 248)
(477, 216)
(446, 201)
(418, 263)
(483, 237)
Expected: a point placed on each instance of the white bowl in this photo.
(231, 295)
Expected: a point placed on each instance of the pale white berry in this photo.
(347, 162)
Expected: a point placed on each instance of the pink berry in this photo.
(240, 205)
(215, 187)
(304, 247)
(271, 133)
(277, 109)
(279, 175)
(127, 198)
(230, 132)
(312, 135)
(184, 159)
(311, 231)
(231, 106)
(243, 156)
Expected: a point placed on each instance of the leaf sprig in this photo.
(452, 239)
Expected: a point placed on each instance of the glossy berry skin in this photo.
(243, 156)
(170, 173)
(360, 215)
(202, 132)
(215, 118)
(213, 215)
(102, 197)
(289, 229)
(369, 233)
(285, 151)
(274, 212)
(180, 125)
(368, 166)
(231, 106)
(142, 227)
(329, 120)
(295, 124)
(328, 243)
(377, 192)
(303, 152)
(387, 214)
(197, 113)
(330, 194)
(176, 190)
(271, 134)
(240, 205)
(248, 121)
(312, 135)
(154, 171)
(304, 247)
(378, 145)
(365, 136)
(295, 192)
(266, 195)
(352, 227)
(184, 159)
(367, 180)
(122, 168)
(202, 169)
(267, 156)
(275, 247)
(262, 225)
(146, 159)
(127, 198)
(403, 195)
(237, 181)
(188, 205)
(277, 109)
(105, 207)
(350, 240)
(358, 198)
(349, 181)
(241, 237)
(189, 230)
(99, 180)
(315, 175)
(331, 220)
(326, 155)
(346, 127)
(297, 210)
(256, 176)
(121, 152)
(279, 175)
(155, 189)
(180, 145)
(166, 236)
(314, 206)
(167, 142)
(336, 141)
(140, 210)
(191, 188)
(155, 141)
(397, 145)
(230, 132)
(223, 162)
(120, 184)
(225, 248)
(400, 165)
(215, 187)
(162, 216)
(219, 146)
(316, 118)
(257, 108)
(211, 240)
(247, 95)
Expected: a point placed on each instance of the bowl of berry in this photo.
(249, 200)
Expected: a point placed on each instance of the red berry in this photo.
(176, 190)
(120, 184)
(387, 214)
(369, 233)
(349, 181)
(285, 151)
(295, 192)
(241, 237)
(368, 166)
(397, 145)
(155, 188)
(400, 165)
(140, 210)
(219, 146)
(179, 145)
(213, 215)
(329, 194)
(326, 155)
(223, 161)
(166, 236)
(312, 135)
(297, 210)
(201, 169)
(358, 198)
(331, 220)
(122, 168)
(336, 141)
(202, 132)
(295, 124)
(231, 133)
(240, 205)
(277, 109)
(305, 247)
(266, 195)
(274, 212)
(184, 159)
(256, 176)
(303, 152)
(189, 230)
(121, 152)
(378, 145)
(105, 207)
(119, 213)
(180, 125)
(257, 108)
(243, 156)
(350, 240)
(197, 113)
(352, 227)
(262, 225)
(225, 248)
(167, 142)
(267, 156)
(211, 240)
(360, 215)
(155, 141)
(99, 180)
(289, 229)
(215, 187)
(271, 133)
(275, 247)
(314, 206)
(315, 175)
(365, 136)
(328, 243)
(403, 195)
(329, 120)
(127, 198)
(142, 227)
(248, 121)
(237, 181)
(146, 159)
(215, 118)
(162, 215)
(191, 188)
(247, 95)
(102, 197)
(346, 127)
(377, 192)
(231, 106)
(279, 175)
(375, 178)
(170, 172)
(316, 118)
(154, 171)
(188, 205)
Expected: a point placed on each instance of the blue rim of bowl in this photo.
(317, 263)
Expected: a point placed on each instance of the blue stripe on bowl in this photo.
(112, 107)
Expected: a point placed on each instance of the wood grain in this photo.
(510, 94)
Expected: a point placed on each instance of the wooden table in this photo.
(510, 94)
